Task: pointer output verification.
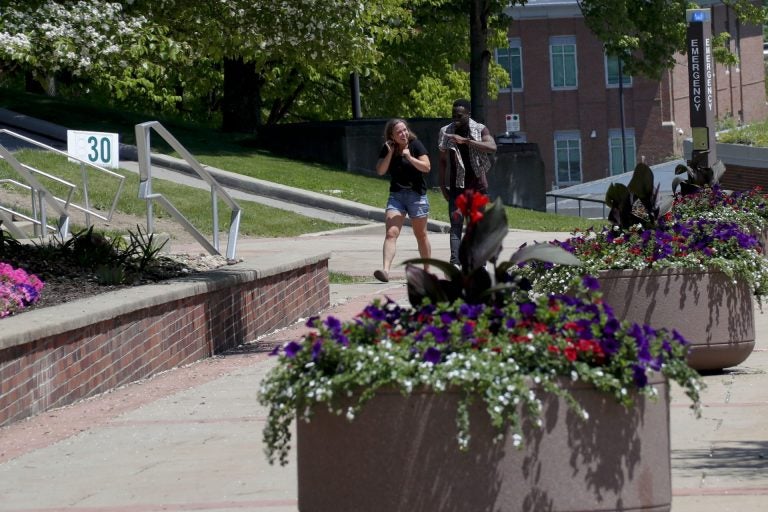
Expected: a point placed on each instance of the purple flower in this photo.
(432, 355)
(471, 311)
(291, 349)
(610, 345)
(639, 375)
(447, 318)
(312, 320)
(333, 324)
(591, 282)
(679, 337)
(527, 309)
(585, 328)
(438, 334)
(611, 326)
(317, 349)
(374, 313)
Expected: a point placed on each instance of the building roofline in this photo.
(556, 9)
(542, 9)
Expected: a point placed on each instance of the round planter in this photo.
(712, 312)
(401, 454)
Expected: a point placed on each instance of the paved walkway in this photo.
(190, 439)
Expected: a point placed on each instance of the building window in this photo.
(567, 158)
(612, 72)
(562, 56)
(616, 155)
(511, 59)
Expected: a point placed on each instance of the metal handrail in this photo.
(44, 196)
(578, 200)
(9, 220)
(143, 131)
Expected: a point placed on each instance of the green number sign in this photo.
(100, 149)
(97, 148)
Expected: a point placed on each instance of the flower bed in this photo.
(695, 244)
(18, 289)
(474, 332)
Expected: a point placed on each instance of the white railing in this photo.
(143, 131)
(42, 198)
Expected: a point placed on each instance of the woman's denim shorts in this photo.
(407, 201)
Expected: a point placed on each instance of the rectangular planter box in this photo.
(54, 356)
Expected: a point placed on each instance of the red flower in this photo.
(471, 204)
(571, 326)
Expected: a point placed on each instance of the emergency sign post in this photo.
(701, 86)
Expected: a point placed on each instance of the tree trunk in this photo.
(479, 57)
(31, 84)
(241, 104)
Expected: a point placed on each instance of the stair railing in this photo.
(143, 131)
(42, 197)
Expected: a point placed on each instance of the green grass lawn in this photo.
(755, 134)
(225, 151)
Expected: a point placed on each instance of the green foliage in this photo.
(697, 175)
(755, 134)
(650, 33)
(145, 248)
(509, 356)
(706, 229)
(111, 259)
(636, 203)
(480, 245)
(92, 43)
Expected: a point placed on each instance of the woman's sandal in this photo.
(381, 275)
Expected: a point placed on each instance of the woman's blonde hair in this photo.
(390, 127)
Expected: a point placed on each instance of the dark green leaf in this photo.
(482, 242)
(641, 183)
(421, 285)
(544, 252)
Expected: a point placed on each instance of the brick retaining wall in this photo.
(744, 178)
(55, 356)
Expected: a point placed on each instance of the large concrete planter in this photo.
(711, 311)
(401, 454)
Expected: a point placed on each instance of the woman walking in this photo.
(406, 161)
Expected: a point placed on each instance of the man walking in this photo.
(468, 146)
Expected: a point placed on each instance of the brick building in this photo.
(567, 94)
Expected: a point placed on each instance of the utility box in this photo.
(517, 176)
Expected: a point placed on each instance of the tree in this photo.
(271, 51)
(89, 43)
(649, 33)
(425, 70)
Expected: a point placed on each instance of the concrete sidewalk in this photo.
(190, 439)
